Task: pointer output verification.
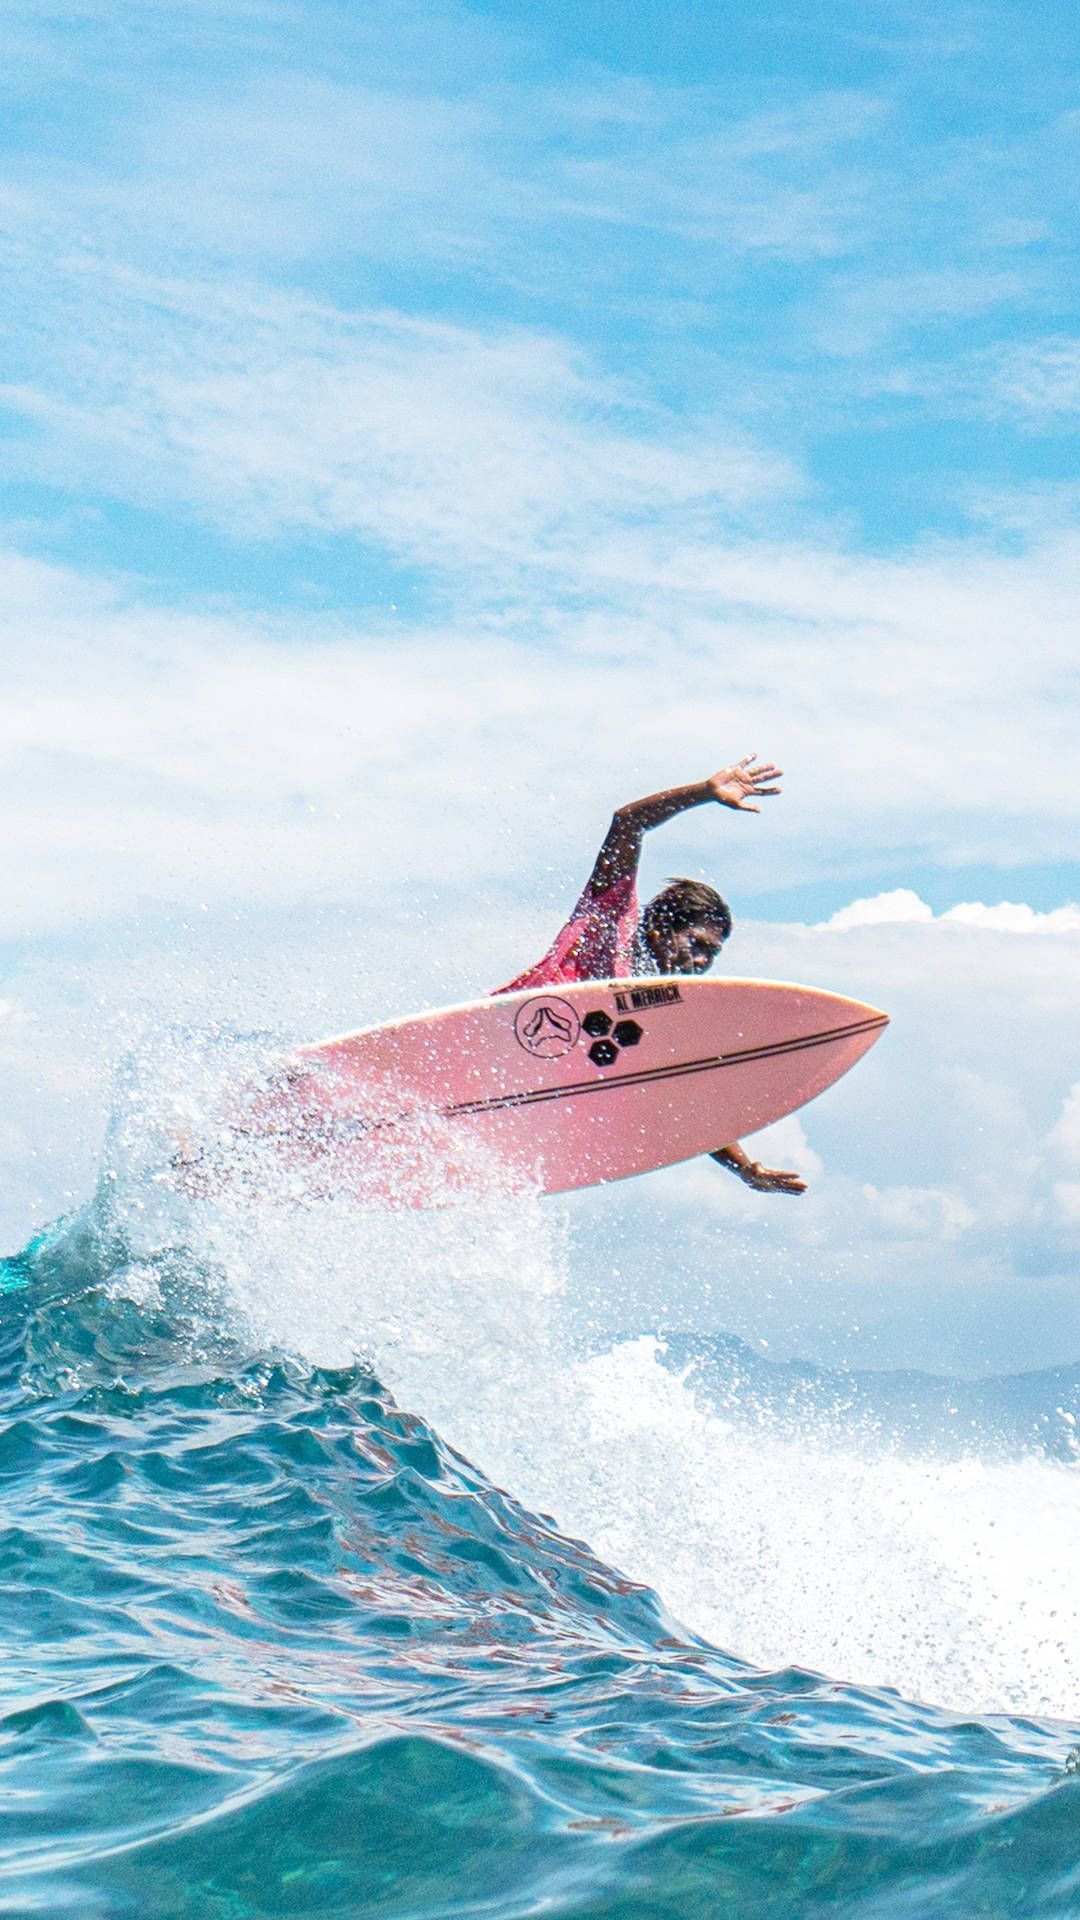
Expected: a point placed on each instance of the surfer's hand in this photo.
(739, 786)
(753, 1174)
(771, 1179)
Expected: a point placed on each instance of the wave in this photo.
(278, 1648)
(339, 1576)
(897, 1529)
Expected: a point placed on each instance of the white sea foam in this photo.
(951, 1579)
(954, 1580)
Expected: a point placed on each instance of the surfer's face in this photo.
(684, 949)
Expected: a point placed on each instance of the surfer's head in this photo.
(684, 926)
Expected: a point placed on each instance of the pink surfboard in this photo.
(553, 1089)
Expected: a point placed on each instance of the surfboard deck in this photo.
(559, 1089)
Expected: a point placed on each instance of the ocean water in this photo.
(338, 1578)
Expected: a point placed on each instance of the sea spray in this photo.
(947, 1575)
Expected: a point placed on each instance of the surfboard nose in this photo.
(872, 1013)
(871, 1023)
(858, 1017)
(860, 1010)
(798, 1041)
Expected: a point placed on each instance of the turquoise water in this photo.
(271, 1646)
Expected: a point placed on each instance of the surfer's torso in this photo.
(599, 942)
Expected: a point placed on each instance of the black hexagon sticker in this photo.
(596, 1023)
(627, 1033)
(603, 1052)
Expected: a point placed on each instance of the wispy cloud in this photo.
(442, 442)
(244, 266)
(866, 313)
(1037, 383)
(780, 182)
(276, 160)
(202, 756)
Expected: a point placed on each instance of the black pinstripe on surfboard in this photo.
(652, 1076)
(644, 1077)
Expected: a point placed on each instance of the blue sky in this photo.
(750, 336)
(423, 427)
(812, 270)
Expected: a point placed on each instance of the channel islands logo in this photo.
(547, 1027)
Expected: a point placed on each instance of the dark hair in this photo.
(689, 903)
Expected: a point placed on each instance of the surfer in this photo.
(681, 930)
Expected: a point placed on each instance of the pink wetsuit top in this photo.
(597, 942)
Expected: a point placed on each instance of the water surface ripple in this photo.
(272, 1648)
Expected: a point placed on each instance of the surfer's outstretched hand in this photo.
(753, 1174)
(772, 1179)
(739, 786)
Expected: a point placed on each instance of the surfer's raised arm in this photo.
(737, 787)
(608, 937)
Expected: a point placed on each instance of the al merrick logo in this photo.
(636, 999)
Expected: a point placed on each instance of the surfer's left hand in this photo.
(739, 786)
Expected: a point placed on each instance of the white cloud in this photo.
(1064, 1135)
(1033, 384)
(1014, 916)
(867, 312)
(1067, 1195)
(1038, 382)
(899, 906)
(448, 445)
(918, 1213)
(207, 756)
(782, 182)
(902, 906)
(392, 151)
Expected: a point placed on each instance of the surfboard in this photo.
(553, 1090)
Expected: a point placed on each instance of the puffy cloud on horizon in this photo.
(903, 907)
(897, 907)
(1014, 916)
